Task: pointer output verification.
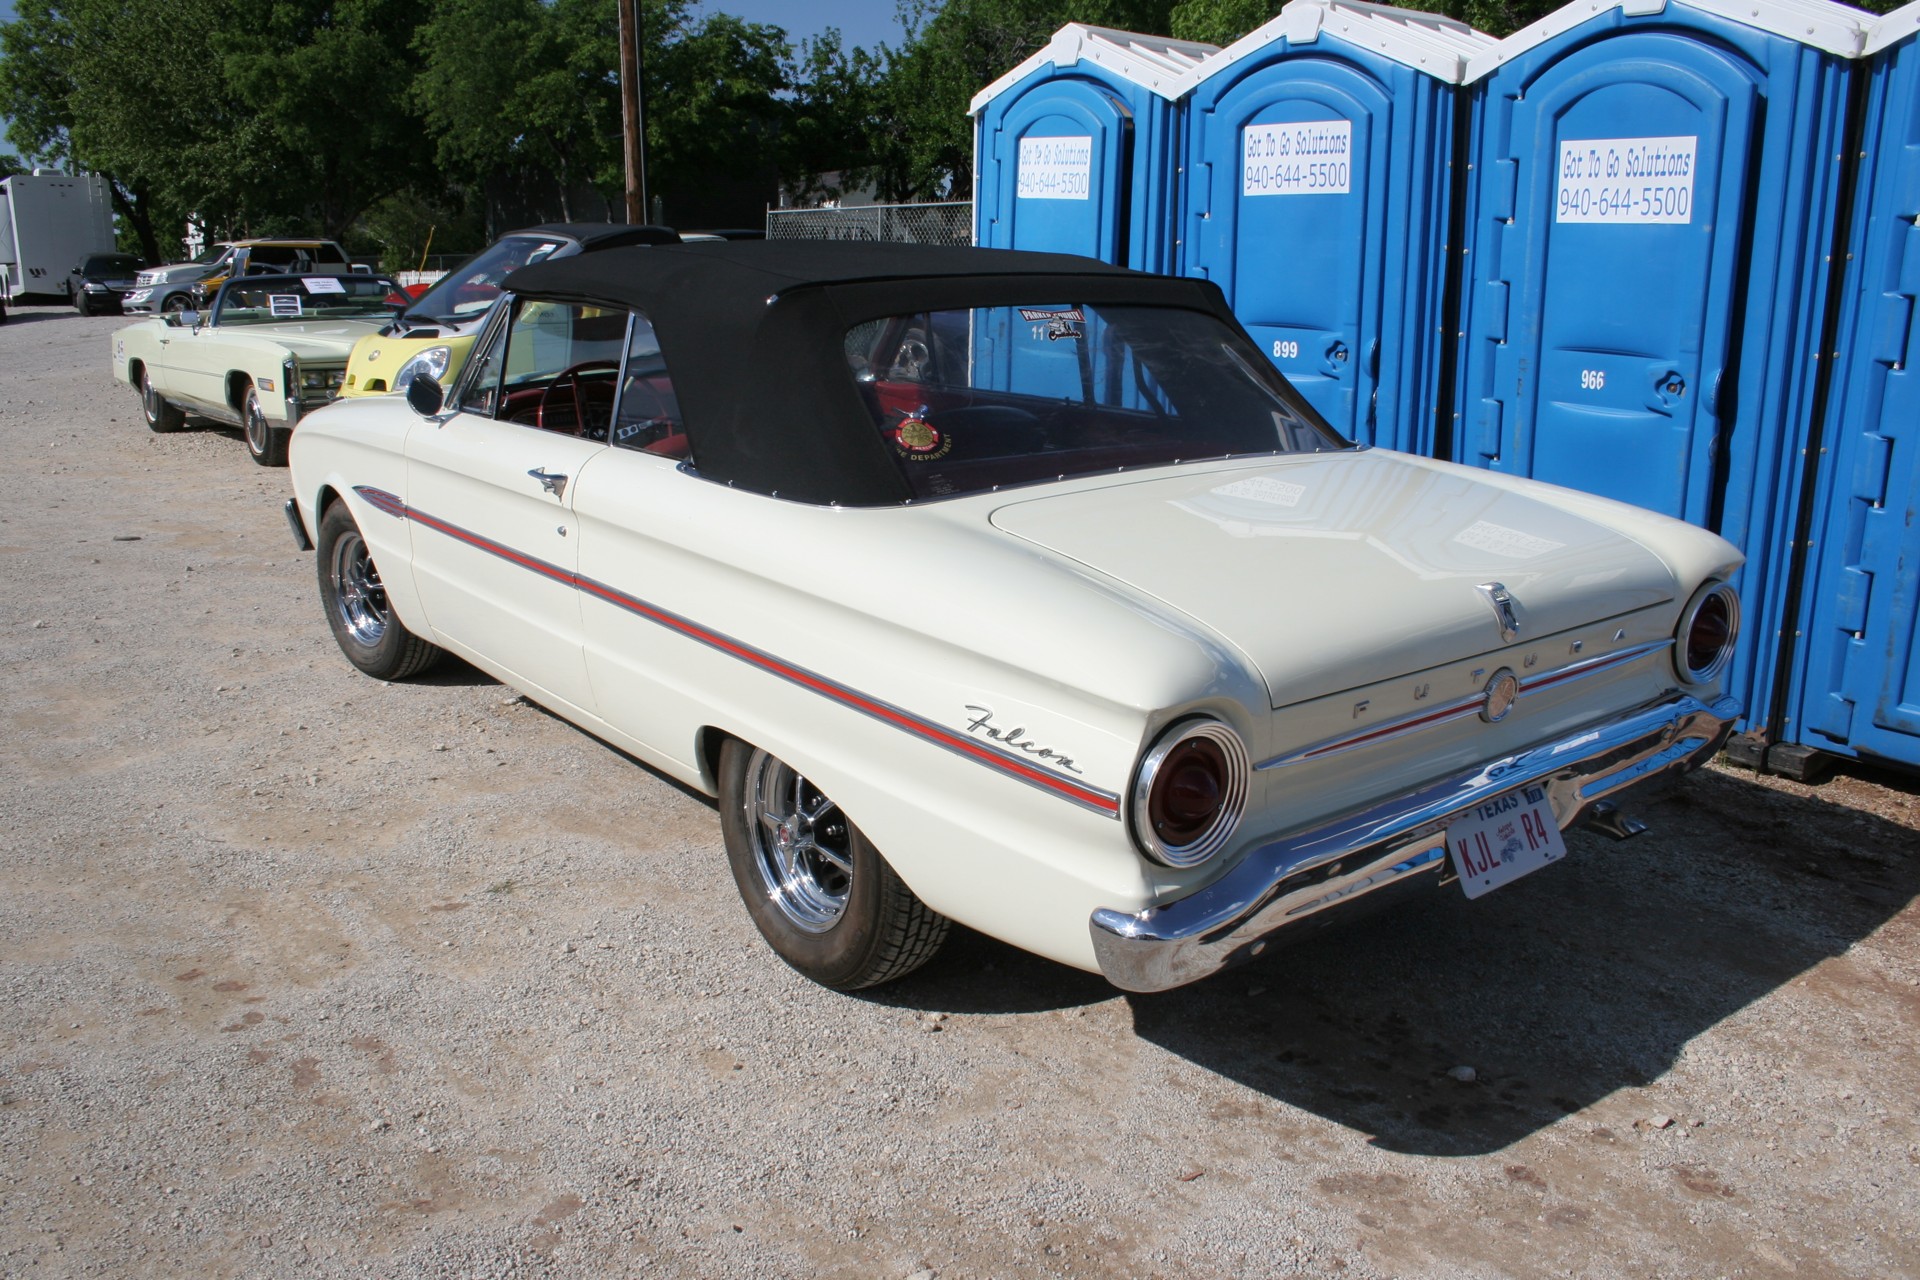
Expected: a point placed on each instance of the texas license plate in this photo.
(1504, 839)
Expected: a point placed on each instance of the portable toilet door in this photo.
(1076, 149)
(1650, 214)
(1318, 185)
(1856, 689)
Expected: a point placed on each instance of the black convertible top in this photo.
(753, 336)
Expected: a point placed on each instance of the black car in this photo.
(101, 280)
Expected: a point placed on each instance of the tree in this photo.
(713, 106)
(527, 87)
(328, 83)
(1219, 22)
(838, 119)
(82, 90)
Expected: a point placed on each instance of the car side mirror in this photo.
(190, 320)
(425, 396)
(74, 272)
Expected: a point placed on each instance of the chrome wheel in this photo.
(801, 848)
(359, 600)
(259, 434)
(160, 415)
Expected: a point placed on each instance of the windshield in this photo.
(211, 254)
(468, 290)
(111, 264)
(277, 299)
(971, 400)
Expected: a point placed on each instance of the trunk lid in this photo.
(1335, 571)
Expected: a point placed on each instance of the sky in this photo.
(861, 22)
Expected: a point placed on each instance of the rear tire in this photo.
(819, 892)
(362, 620)
(161, 416)
(266, 443)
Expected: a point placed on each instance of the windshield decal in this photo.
(284, 304)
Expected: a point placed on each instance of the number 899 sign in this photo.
(1504, 839)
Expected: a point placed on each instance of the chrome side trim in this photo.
(1466, 706)
(1280, 884)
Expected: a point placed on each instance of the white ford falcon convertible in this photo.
(1011, 589)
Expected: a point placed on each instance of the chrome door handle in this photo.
(555, 485)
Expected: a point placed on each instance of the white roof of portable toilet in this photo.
(1153, 62)
(1893, 28)
(1835, 28)
(1429, 42)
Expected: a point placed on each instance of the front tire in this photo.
(358, 612)
(818, 891)
(266, 443)
(161, 416)
(177, 303)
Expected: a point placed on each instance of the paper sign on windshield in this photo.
(323, 284)
(284, 304)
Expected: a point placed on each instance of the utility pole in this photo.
(633, 93)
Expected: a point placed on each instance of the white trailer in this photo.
(48, 223)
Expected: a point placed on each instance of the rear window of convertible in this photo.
(970, 400)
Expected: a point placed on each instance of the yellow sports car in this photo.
(435, 333)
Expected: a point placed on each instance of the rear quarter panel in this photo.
(927, 628)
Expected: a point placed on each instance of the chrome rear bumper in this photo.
(1280, 886)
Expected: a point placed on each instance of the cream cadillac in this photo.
(1010, 589)
(267, 350)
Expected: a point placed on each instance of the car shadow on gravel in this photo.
(1558, 990)
(39, 316)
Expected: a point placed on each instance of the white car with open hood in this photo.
(1011, 589)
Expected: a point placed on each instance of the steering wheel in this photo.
(570, 378)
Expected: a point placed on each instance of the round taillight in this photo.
(1190, 793)
(1708, 630)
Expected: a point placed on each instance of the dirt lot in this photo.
(305, 974)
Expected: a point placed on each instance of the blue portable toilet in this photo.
(1650, 213)
(1319, 153)
(1076, 149)
(1855, 689)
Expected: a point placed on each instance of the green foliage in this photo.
(838, 122)
(326, 82)
(523, 86)
(1220, 22)
(712, 104)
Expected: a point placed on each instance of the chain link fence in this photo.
(947, 222)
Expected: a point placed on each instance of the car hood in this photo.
(1334, 571)
(174, 273)
(311, 340)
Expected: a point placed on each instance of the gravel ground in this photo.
(309, 975)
